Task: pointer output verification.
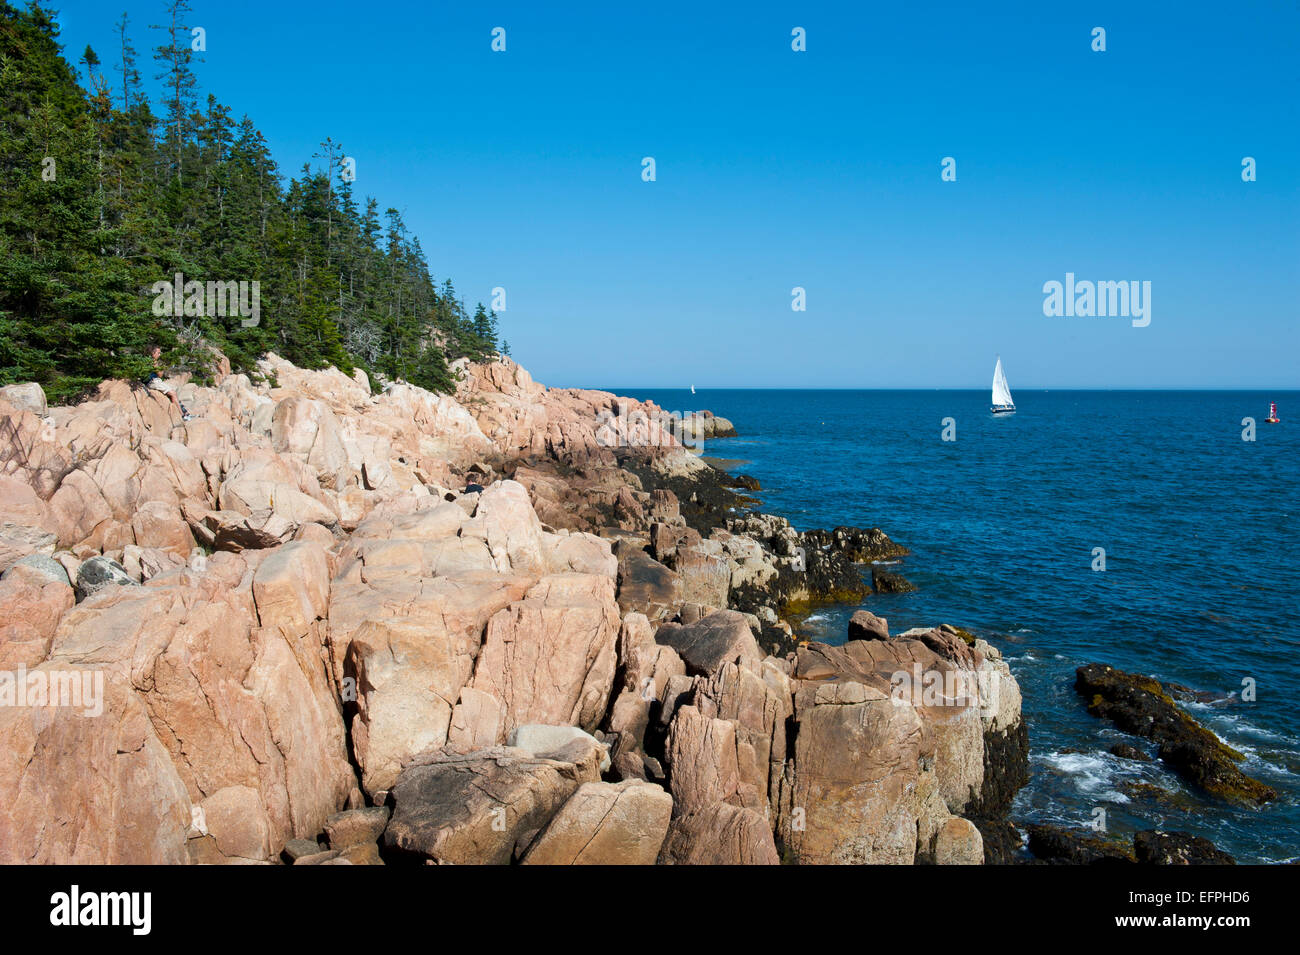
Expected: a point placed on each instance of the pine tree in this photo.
(127, 67)
(132, 199)
(176, 57)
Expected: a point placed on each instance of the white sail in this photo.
(1001, 393)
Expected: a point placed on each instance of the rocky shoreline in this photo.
(342, 624)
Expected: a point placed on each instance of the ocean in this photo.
(1201, 586)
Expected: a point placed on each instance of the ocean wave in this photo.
(1094, 774)
(1240, 725)
(1258, 763)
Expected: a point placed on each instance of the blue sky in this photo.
(818, 169)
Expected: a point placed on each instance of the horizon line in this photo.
(982, 388)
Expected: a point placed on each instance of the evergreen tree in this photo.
(100, 199)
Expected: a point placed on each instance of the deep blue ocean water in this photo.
(1202, 579)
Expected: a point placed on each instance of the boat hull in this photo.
(1002, 409)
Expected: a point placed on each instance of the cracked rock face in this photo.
(483, 807)
(605, 824)
(309, 597)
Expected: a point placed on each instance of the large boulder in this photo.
(550, 658)
(580, 553)
(958, 842)
(702, 755)
(706, 573)
(720, 834)
(505, 521)
(78, 509)
(403, 645)
(41, 566)
(646, 586)
(757, 700)
(541, 739)
(406, 675)
(961, 694)
(308, 428)
(27, 396)
(864, 625)
(235, 826)
(483, 807)
(605, 824)
(203, 699)
(858, 761)
(162, 525)
(260, 484)
(723, 636)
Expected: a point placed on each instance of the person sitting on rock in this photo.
(156, 382)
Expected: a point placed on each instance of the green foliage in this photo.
(100, 199)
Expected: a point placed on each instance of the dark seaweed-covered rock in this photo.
(1156, 796)
(887, 582)
(777, 641)
(858, 544)
(705, 498)
(1054, 844)
(1150, 847)
(1129, 751)
(1006, 770)
(1001, 841)
(1154, 847)
(1140, 705)
(806, 575)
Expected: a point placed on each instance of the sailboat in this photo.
(1272, 414)
(1002, 403)
(692, 389)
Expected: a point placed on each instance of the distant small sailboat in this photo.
(1272, 414)
(692, 389)
(1002, 403)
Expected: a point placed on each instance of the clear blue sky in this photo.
(818, 169)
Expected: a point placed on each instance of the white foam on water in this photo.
(1240, 725)
(1258, 763)
(1200, 706)
(1090, 773)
